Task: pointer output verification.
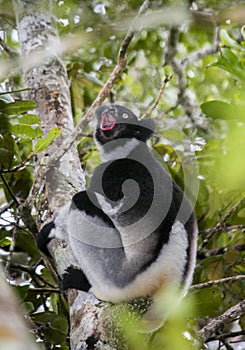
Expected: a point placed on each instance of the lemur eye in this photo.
(125, 115)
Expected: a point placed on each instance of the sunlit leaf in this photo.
(228, 41)
(42, 144)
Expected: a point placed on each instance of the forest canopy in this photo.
(181, 63)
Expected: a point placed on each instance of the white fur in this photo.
(88, 230)
(107, 207)
(60, 230)
(118, 152)
(167, 270)
(192, 259)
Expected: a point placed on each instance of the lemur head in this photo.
(118, 122)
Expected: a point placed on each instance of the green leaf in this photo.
(243, 32)
(58, 326)
(26, 126)
(173, 134)
(206, 302)
(231, 63)
(29, 307)
(163, 149)
(26, 119)
(18, 107)
(222, 110)
(42, 144)
(6, 150)
(5, 242)
(228, 41)
(5, 97)
(22, 291)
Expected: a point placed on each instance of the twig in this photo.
(31, 270)
(105, 91)
(11, 251)
(155, 103)
(217, 282)
(45, 290)
(226, 344)
(205, 52)
(218, 226)
(20, 166)
(7, 207)
(218, 323)
(7, 49)
(180, 70)
(220, 251)
(9, 189)
(226, 335)
(226, 228)
(179, 67)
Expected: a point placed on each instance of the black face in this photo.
(117, 122)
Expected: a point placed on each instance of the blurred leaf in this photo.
(5, 242)
(22, 291)
(173, 134)
(56, 329)
(215, 268)
(163, 149)
(228, 41)
(206, 302)
(231, 255)
(42, 144)
(29, 307)
(231, 63)
(77, 94)
(26, 243)
(6, 97)
(230, 167)
(6, 150)
(223, 110)
(17, 107)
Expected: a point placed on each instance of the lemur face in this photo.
(117, 122)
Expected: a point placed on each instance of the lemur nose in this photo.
(112, 109)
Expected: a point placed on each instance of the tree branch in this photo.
(218, 323)
(217, 282)
(179, 67)
(219, 225)
(204, 52)
(105, 91)
(157, 100)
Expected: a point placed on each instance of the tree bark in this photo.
(49, 88)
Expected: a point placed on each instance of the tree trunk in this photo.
(45, 75)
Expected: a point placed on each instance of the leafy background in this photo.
(215, 131)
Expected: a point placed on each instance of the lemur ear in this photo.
(145, 129)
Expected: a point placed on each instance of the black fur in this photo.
(108, 180)
(124, 128)
(43, 238)
(84, 201)
(74, 278)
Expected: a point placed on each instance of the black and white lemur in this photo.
(132, 231)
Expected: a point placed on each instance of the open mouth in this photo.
(107, 121)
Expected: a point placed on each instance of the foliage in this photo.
(212, 141)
